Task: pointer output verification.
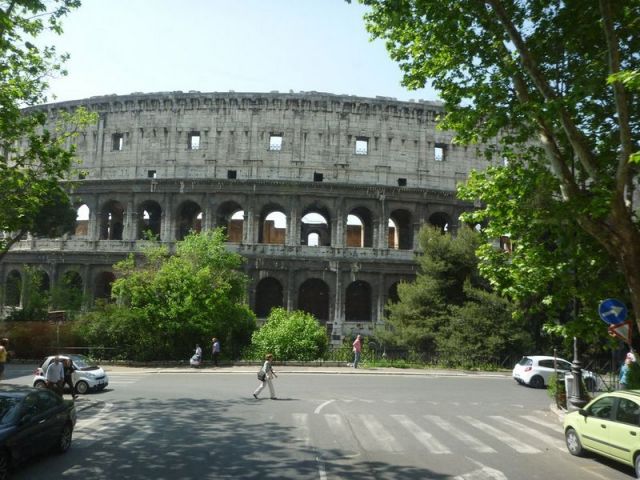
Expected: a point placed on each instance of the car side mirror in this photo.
(583, 412)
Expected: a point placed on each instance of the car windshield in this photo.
(80, 361)
(9, 408)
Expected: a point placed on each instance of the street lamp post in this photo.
(577, 398)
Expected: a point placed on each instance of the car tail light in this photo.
(527, 369)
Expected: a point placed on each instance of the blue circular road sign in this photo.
(612, 311)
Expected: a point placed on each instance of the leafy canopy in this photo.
(35, 155)
(545, 89)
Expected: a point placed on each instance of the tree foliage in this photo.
(449, 310)
(546, 88)
(290, 336)
(35, 154)
(165, 304)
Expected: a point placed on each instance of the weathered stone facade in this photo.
(323, 194)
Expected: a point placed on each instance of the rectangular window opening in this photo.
(362, 145)
(194, 141)
(317, 177)
(275, 142)
(117, 141)
(402, 182)
(151, 174)
(439, 152)
(232, 174)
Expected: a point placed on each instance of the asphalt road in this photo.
(326, 424)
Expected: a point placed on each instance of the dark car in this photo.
(32, 421)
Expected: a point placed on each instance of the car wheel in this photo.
(637, 465)
(536, 381)
(4, 465)
(39, 384)
(574, 446)
(82, 387)
(65, 438)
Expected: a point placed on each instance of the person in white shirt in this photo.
(55, 376)
(269, 374)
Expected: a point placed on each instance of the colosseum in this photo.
(322, 194)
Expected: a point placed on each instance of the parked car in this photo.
(32, 421)
(609, 425)
(536, 370)
(86, 377)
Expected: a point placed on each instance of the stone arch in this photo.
(230, 215)
(149, 219)
(357, 306)
(401, 236)
(269, 295)
(359, 234)
(189, 219)
(273, 228)
(103, 283)
(112, 221)
(441, 220)
(316, 221)
(392, 293)
(83, 213)
(313, 298)
(13, 289)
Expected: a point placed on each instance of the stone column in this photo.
(293, 227)
(383, 225)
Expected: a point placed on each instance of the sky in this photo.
(126, 46)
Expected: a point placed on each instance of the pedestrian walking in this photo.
(4, 344)
(55, 376)
(68, 369)
(357, 349)
(267, 368)
(625, 371)
(215, 350)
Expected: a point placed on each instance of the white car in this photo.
(86, 376)
(536, 371)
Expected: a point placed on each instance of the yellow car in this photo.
(608, 425)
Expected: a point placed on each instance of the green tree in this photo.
(449, 309)
(34, 153)
(542, 85)
(165, 304)
(290, 336)
(35, 300)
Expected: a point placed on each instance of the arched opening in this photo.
(440, 220)
(82, 221)
(103, 283)
(112, 221)
(274, 226)
(13, 289)
(313, 298)
(43, 282)
(400, 230)
(359, 228)
(189, 219)
(68, 294)
(315, 230)
(268, 296)
(392, 295)
(149, 220)
(358, 302)
(231, 216)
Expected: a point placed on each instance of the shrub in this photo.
(290, 336)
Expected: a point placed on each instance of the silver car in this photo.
(86, 377)
(536, 371)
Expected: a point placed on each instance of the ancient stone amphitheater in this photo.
(323, 194)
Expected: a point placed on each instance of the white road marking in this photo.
(504, 437)
(321, 470)
(469, 440)
(543, 437)
(384, 439)
(483, 473)
(301, 421)
(553, 426)
(424, 437)
(320, 407)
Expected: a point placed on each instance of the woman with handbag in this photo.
(265, 375)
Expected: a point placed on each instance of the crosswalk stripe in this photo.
(469, 440)
(337, 426)
(424, 437)
(543, 437)
(383, 438)
(301, 421)
(510, 440)
(553, 426)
